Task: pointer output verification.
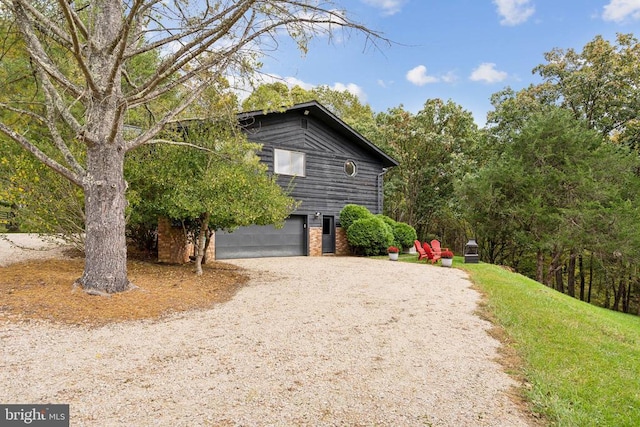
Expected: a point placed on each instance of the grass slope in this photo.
(582, 361)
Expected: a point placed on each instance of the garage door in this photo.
(259, 241)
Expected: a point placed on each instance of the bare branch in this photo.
(75, 26)
(24, 142)
(37, 51)
(57, 138)
(46, 25)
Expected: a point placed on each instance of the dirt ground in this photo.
(43, 289)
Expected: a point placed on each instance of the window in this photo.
(350, 168)
(287, 162)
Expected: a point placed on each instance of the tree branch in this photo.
(38, 154)
(38, 53)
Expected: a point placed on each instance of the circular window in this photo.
(350, 168)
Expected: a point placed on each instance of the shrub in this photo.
(404, 234)
(370, 236)
(392, 224)
(352, 213)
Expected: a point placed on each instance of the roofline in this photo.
(315, 106)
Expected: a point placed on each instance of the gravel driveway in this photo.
(327, 341)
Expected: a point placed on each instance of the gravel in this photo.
(326, 341)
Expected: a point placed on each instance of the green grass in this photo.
(583, 362)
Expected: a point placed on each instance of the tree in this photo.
(221, 186)
(599, 84)
(556, 187)
(84, 96)
(429, 147)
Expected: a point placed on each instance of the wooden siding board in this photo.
(325, 188)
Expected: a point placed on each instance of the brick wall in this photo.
(315, 241)
(210, 255)
(173, 247)
(342, 247)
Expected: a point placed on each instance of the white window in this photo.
(350, 168)
(287, 162)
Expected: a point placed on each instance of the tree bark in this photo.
(590, 278)
(582, 281)
(201, 242)
(571, 274)
(619, 294)
(540, 266)
(105, 269)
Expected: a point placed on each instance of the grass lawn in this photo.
(582, 361)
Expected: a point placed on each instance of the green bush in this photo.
(404, 234)
(351, 213)
(370, 236)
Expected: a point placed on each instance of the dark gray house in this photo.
(329, 164)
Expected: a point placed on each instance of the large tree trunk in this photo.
(105, 269)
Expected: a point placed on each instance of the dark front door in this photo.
(328, 235)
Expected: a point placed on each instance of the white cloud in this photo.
(353, 89)
(292, 81)
(486, 72)
(619, 10)
(450, 77)
(419, 77)
(514, 12)
(389, 7)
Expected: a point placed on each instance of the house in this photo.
(331, 165)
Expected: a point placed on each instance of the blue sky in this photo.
(463, 50)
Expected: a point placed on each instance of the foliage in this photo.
(430, 148)
(344, 104)
(370, 236)
(598, 84)
(41, 200)
(350, 213)
(393, 250)
(404, 234)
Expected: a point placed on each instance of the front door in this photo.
(328, 235)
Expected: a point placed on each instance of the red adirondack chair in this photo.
(435, 245)
(433, 257)
(421, 252)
